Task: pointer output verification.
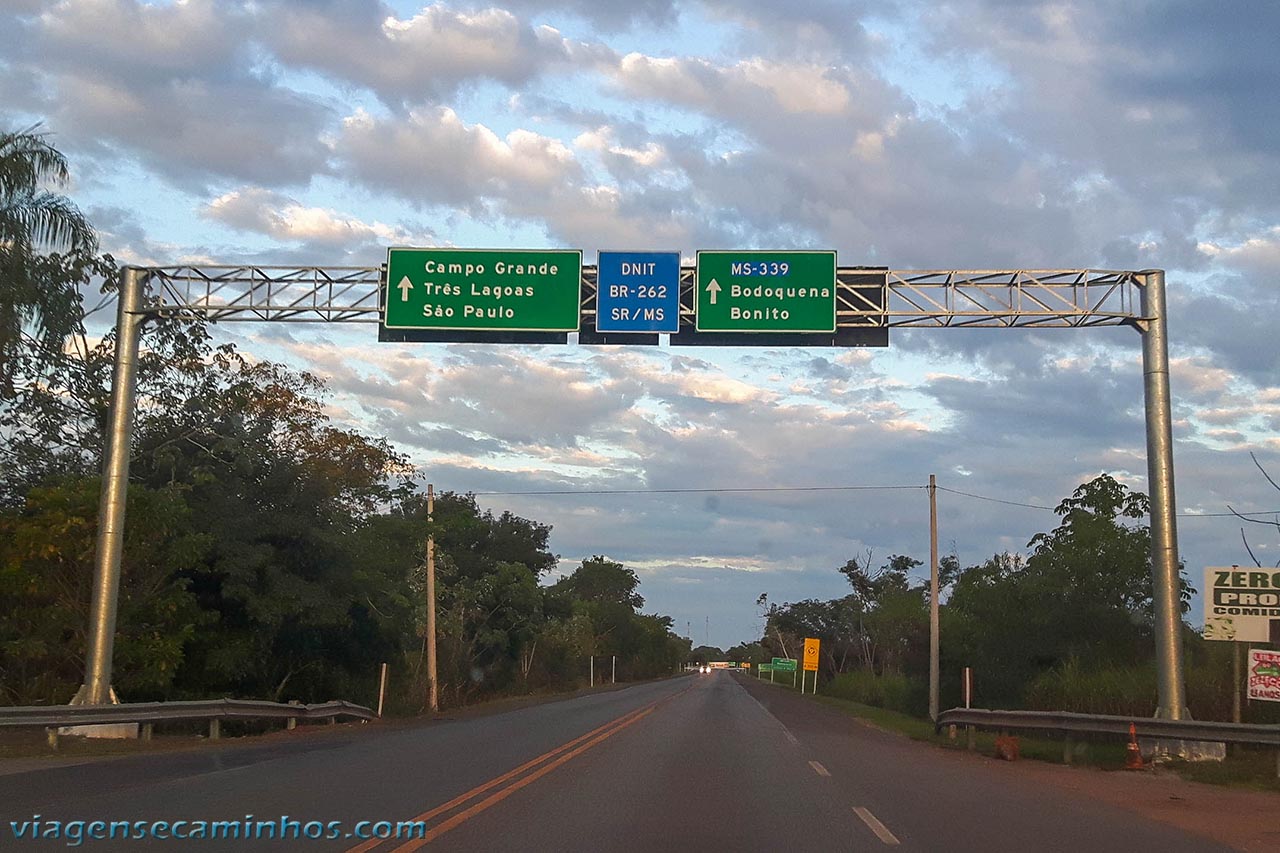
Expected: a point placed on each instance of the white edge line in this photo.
(873, 823)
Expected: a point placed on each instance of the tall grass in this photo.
(1131, 691)
(894, 691)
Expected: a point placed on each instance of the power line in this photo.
(993, 500)
(699, 491)
(1041, 506)
(758, 489)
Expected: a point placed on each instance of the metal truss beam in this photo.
(919, 298)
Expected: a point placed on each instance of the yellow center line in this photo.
(619, 722)
(493, 799)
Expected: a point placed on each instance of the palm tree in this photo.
(34, 222)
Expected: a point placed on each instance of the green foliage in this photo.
(46, 554)
(1058, 628)
(891, 690)
(747, 652)
(706, 654)
(600, 580)
(1084, 594)
(877, 626)
(39, 303)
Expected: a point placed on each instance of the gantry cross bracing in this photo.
(922, 298)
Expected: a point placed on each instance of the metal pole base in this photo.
(1157, 751)
(111, 731)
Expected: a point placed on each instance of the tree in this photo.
(746, 653)
(706, 654)
(33, 291)
(889, 612)
(1083, 594)
(604, 581)
(46, 555)
(477, 541)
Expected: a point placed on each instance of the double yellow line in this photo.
(548, 760)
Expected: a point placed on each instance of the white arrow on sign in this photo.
(713, 288)
(405, 286)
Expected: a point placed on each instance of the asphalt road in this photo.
(706, 762)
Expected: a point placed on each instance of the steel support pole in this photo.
(935, 667)
(382, 687)
(1164, 531)
(433, 688)
(111, 503)
(1237, 682)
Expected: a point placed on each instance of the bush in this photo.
(894, 691)
(1121, 691)
(1131, 691)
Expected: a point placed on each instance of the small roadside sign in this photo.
(766, 667)
(811, 654)
(784, 664)
(1264, 675)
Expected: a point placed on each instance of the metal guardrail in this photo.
(1149, 727)
(149, 713)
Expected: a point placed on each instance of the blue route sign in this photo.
(638, 292)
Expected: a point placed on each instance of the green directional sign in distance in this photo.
(764, 291)
(515, 290)
(784, 664)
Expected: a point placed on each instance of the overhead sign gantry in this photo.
(868, 302)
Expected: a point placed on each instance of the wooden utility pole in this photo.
(934, 663)
(432, 687)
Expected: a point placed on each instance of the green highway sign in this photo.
(766, 667)
(765, 291)
(515, 290)
(784, 664)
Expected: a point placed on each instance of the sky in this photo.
(915, 135)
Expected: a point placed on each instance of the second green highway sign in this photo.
(518, 290)
(746, 290)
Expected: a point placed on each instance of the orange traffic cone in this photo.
(1133, 755)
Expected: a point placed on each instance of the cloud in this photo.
(701, 84)
(280, 217)
(418, 60)
(608, 15)
(175, 86)
(434, 157)
(1161, 98)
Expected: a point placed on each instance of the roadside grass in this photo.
(1244, 768)
(1104, 755)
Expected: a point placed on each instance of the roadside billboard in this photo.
(1242, 604)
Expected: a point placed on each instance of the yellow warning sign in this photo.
(810, 654)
